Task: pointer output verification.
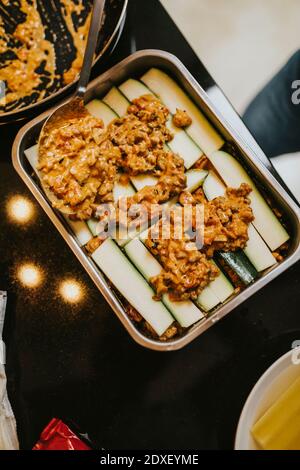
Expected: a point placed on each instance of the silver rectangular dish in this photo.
(135, 66)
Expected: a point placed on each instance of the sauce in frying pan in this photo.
(28, 62)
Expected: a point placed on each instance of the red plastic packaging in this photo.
(58, 436)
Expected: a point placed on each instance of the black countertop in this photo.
(76, 361)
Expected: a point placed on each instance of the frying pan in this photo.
(56, 32)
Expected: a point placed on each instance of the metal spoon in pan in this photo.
(75, 107)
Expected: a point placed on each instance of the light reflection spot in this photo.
(20, 209)
(71, 291)
(30, 275)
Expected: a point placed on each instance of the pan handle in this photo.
(96, 22)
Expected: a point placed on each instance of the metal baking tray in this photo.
(135, 66)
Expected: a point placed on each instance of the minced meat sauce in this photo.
(226, 219)
(181, 118)
(31, 56)
(83, 161)
(187, 270)
(78, 164)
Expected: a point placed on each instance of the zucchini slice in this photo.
(181, 144)
(170, 93)
(119, 191)
(78, 227)
(256, 250)
(185, 312)
(213, 187)
(194, 179)
(140, 181)
(133, 89)
(32, 156)
(241, 265)
(265, 222)
(217, 292)
(80, 230)
(208, 300)
(221, 286)
(101, 111)
(93, 226)
(131, 284)
(122, 190)
(116, 101)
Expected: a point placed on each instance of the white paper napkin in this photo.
(8, 427)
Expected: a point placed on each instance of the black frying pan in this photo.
(57, 32)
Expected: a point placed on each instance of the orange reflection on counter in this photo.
(20, 209)
(71, 291)
(30, 275)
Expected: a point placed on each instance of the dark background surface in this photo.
(78, 363)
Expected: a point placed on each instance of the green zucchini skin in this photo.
(241, 265)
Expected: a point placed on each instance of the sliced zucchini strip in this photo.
(208, 300)
(241, 265)
(101, 111)
(194, 179)
(123, 239)
(140, 181)
(131, 284)
(256, 250)
(133, 89)
(93, 226)
(265, 222)
(32, 156)
(116, 101)
(181, 144)
(171, 94)
(122, 190)
(78, 227)
(213, 187)
(185, 312)
(221, 286)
